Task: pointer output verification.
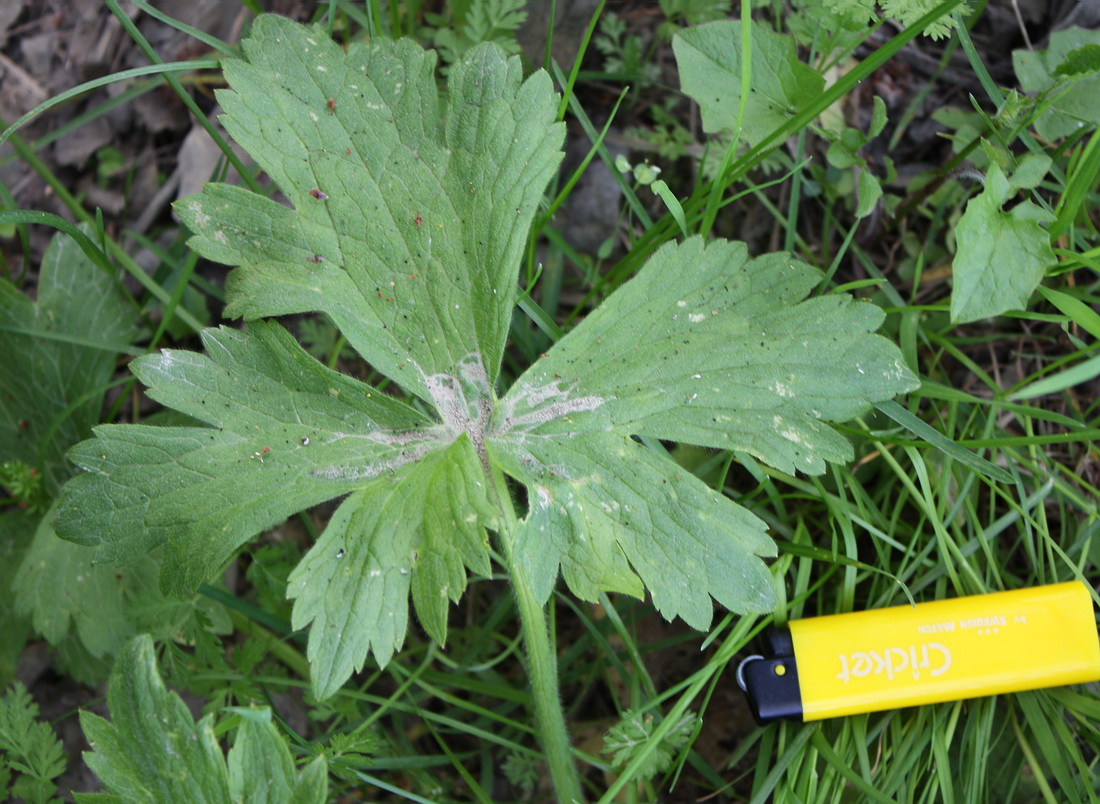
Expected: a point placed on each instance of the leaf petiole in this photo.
(542, 664)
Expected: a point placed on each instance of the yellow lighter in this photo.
(946, 650)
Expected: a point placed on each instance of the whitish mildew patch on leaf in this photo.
(463, 402)
(529, 406)
(368, 471)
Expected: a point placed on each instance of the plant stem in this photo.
(542, 664)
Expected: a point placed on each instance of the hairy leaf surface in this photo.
(187, 764)
(611, 511)
(707, 346)
(704, 346)
(261, 769)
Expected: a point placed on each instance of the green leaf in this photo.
(1076, 310)
(615, 515)
(661, 188)
(399, 221)
(870, 191)
(709, 60)
(285, 433)
(935, 438)
(909, 12)
(60, 589)
(393, 243)
(414, 528)
(1082, 60)
(854, 12)
(703, 346)
(475, 21)
(153, 751)
(878, 118)
(1079, 374)
(261, 770)
(1067, 71)
(63, 591)
(712, 348)
(59, 354)
(59, 357)
(1031, 171)
(188, 764)
(694, 12)
(1000, 257)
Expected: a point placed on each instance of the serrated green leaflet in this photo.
(28, 746)
(630, 735)
(707, 346)
(709, 59)
(286, 433)
(405, 209)
(416, 528)
(407, 222)
(153, 751)
(606, 507)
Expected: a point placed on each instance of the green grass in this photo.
(925, 517)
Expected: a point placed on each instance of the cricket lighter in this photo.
(946, 650)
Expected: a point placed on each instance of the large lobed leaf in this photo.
(704, 346)
(410, 241)
(709, 347)
(59, 354)
(409, 216)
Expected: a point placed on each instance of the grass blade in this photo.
(941, 442)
